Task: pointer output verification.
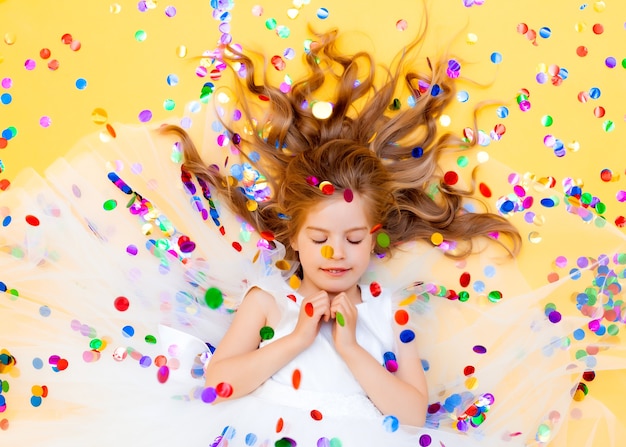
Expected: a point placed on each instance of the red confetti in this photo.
(278, 63)
(598, 28)
(402, 317)
(111, 130)
(279, 425)
(163, 374)
(375, 228)
(308, 309)
(606, 175)
(66, 39)
(267, 235)
(582, 51)
(348, 195)
(121, 303)
(316, 415)
(484, 190)
(224, 389)
(237, 246)
(292, 297)
(451, 178)
(62, 364)
(589, 375)
(469, 370)
(328, 189)
(4, 183)
(32, 220)
(375, 289)
(465, 279)
(296, 377)
(44, 53)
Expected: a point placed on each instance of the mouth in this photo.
(335, 271)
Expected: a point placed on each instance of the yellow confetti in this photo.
(327, 251)
(436, 238)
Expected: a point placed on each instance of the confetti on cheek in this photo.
(328, 252)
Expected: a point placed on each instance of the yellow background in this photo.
(126, 75)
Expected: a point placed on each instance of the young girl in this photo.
(335, 282)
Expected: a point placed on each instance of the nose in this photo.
(339, 251)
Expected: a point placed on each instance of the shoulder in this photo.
(257, 296)
(262, 302)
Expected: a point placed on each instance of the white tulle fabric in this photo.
(70, 247)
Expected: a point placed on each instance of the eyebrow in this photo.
(323, 230)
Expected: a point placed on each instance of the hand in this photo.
(345, 313)
(313, 310)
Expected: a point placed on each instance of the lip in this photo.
(335, 271)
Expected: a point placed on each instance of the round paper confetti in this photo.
(322, 110)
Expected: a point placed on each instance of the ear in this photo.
(294, 244)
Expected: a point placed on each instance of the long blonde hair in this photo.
(388, 155)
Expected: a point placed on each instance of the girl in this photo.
(347, 328)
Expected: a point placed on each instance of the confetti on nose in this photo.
(327, 251)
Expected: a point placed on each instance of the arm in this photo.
(240, 362)
(403, 394)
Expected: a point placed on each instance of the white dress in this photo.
(116, 274)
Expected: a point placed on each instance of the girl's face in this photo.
(334, 246)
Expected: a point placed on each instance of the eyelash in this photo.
(352, 242)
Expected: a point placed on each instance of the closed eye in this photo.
(318, 242)
(355, 242)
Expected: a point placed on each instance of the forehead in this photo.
(335, 213)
